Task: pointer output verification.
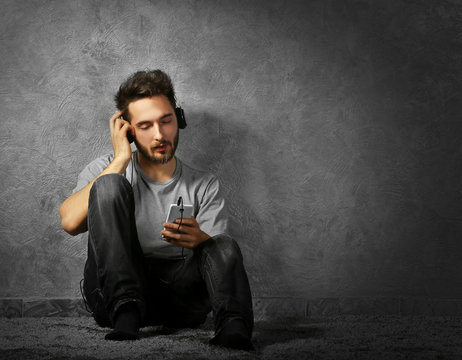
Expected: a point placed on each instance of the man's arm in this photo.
(74, 209)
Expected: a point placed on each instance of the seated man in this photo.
(140, 269)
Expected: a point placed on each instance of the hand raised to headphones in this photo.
(119, 129)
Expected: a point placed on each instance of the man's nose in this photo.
(157, 132)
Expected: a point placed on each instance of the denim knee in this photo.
(224, 247)
(109, 187)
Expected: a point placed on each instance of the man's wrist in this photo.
(117, 166)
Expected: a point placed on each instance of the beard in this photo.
(159, 158)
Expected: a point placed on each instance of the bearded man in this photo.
(142, 270)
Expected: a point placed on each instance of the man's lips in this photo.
(160, 147)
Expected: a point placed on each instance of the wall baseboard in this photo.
(265, 308)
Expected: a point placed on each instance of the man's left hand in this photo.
(190, 235)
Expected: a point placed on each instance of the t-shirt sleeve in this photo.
(212, 216)
(91, 171)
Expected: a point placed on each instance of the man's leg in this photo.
(212, 277)
(221, 266)
(114, 274)
(176, 295)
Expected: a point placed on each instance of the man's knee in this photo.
(111, 182)
(224, 247)
(109, 187)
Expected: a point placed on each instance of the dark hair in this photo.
(144, 84)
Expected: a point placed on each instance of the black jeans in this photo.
(175, 293)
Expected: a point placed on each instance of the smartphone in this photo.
(174, 212)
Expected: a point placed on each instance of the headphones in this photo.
(180, 116)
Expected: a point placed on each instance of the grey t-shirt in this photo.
(153, 199)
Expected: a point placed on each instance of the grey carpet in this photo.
(340, 337)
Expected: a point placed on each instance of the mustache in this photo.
(161, 143)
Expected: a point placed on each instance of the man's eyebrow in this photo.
(166, 115)
(139, 123)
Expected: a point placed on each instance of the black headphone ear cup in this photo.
(180, 117)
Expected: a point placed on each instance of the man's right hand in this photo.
(122, 150)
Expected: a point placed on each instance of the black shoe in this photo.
(234, 335)
(127, 323)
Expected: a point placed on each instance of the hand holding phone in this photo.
(175, 212)
(183, 230)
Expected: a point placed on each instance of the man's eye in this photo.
(166, 121)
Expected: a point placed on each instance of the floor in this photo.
(335, 337)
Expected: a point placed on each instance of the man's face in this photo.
(156, 128)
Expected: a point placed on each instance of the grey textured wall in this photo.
(334, 127)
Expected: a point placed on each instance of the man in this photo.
(141, 270)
